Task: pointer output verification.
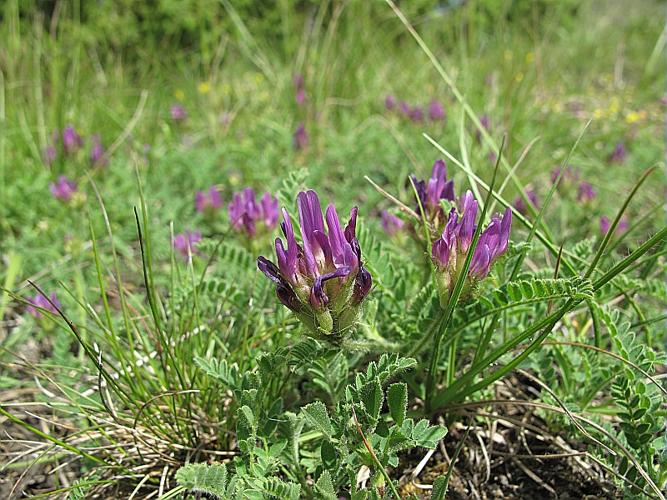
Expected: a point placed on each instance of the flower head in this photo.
(208, 201)
(568, 177)
(39, 301)
(178, 113)
(186, 243)
(416, 114)
(63, 189)
(390, 102)
(619, 153)
(585, 192)
(521, 206)
(435, 111)
(245, 212)
(98, 157)
(450, 250)
(429, 193)
(49, 155)
(300, 139)
(322, 279)
(485, 122)
(72, 141)
(404, 108)
(605, 224)
(390, 223)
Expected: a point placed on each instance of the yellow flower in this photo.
(179, 94)
(518, 77)
(598, 113)
(614, 105)
(530, 57)
(204, 88)
(635, 116)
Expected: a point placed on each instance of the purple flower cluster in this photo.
(245, 212)
(300, 90)
(485, 121)
(585, 192)
(619, 153)
(209, 201)
(178, 113)
(390, 223)
(300, 139)
(435, 110)
(605, 224)
(186, 243)
(39, 301)
(431, 191)
(450, 250)
(63, 189)
(521, 206)
(71, 143)
(322, 280)
(570, 176)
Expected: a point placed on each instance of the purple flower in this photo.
(404, 108)
(429, 193)
(49, 155)
(485, 122)
(390, 223)
(39, 301)
(63, 188)
(208, 201)
(322, 280)
(72, 141)
(416, 114)
(521, 206)
(300, 97)
(98, 157)
(185, 243)
(450, 250)
(298, 81)
(619, 153)
(585, 193)
(245, 212)
(178, 113)
(435, 111)
(390, 102)
(300, 139)
(605, 224)
(569, 176)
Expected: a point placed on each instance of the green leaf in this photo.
(316, 414)
(203, 478)
(324, 487)
(426, 435)
(372, 397)
(439, 488)
(397, 399)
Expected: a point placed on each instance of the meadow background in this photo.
(542, 74)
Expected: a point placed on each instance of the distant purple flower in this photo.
(98, 157)
(450, 250)
(300, 97)
(245, 212)
(178, 113)
(208, 201)
(605, 224)
(49, 155)
(435, 111)
(569, 176)
(429, 193)
(390, 102)
(485, 122)
(417, 114)
(72, 141)
(63, 188)
(185, 243)
(298, 81)
(619, 153)
(390, 223)
(404, 108)
(300, 139)
(323, 280)
(521, 206)
(39, 301)
(586, 193)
